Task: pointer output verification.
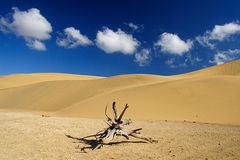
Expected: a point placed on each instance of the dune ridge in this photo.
(16, 80)
(208, 95)
(229, 68)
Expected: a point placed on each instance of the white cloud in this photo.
(205, 41)
(37, 45)
(174, 63)
(119, 41)
(72, 38)
(135, 27)
(219, 33)
(225, 56)
(189, 60)
(30, 25)
(143, 57)
(171, 63)
(172, 44)
(4, 25)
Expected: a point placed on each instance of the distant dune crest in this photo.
(208, 95)
(230, 68)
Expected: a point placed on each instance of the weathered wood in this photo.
(115, 111)
(93, 135)
(116, 128)
(121, 115)
(108, 118)
(139, 136)
(109, 137)
(135, 130)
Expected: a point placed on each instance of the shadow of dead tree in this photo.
(94, 144)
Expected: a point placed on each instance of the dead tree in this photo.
(116, 127)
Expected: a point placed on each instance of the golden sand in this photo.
(209, 95)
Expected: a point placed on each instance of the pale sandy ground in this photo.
(28, 136)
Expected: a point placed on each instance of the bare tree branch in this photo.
(116, 128)
(121, 115)
(108, 118)
(115, 111)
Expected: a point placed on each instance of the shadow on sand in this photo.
(94, 144)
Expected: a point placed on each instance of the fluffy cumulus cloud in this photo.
(30, 25)
(119, 41)
(172, 44)
(219, 33)
(143, 57)
(225, 56)
(72, 38)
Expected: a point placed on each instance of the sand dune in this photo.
(16, 80)
(214, 100)
(209, 95)
(230, 68)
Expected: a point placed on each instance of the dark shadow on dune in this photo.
(94, 144)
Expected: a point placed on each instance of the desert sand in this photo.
(193, 115)
(28, 136)
(209, 95)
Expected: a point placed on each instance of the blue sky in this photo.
(117, 37)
